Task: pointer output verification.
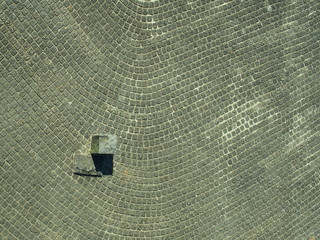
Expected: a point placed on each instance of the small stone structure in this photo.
(100, 159)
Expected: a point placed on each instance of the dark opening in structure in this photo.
(103, 163)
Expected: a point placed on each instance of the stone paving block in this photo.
(103, 144)
(84, 163)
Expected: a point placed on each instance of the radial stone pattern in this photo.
(214, 106)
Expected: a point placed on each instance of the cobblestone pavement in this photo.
(215, 106)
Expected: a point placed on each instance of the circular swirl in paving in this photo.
(214, 105)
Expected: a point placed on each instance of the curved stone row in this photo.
(214, 104)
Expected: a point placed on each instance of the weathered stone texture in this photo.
(215, 106)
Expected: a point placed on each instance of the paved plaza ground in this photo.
(176, 120)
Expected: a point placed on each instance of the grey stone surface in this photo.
(84, 162)
(215, 106)
(104, 144)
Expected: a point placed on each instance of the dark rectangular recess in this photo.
(103, 163)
